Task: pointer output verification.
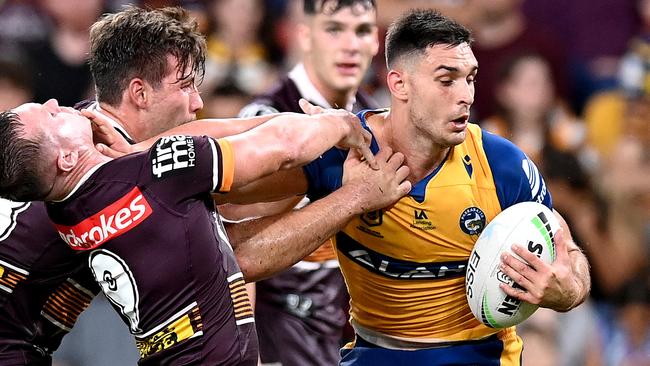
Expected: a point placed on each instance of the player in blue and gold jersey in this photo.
(405, 265)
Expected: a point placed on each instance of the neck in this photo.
(125, 118)
(421, 154)
(66, 182)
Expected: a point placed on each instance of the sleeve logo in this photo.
(114, 220)
(535, 181)
(171, 154)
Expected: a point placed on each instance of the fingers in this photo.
(309, 108)
(517, 270)
(107, 151)
(369, 157)
(518, 293)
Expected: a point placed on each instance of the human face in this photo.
(440, 87)
(529, 89)
(172, 103)
(56, 125)
(340, 47)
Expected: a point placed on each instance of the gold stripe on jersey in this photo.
(404, 267)
(323, 253)
(241, 303)
(11, 276)
(183, 325)
(66, 303)
(227, 168)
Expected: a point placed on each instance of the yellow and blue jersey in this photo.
(405, 265)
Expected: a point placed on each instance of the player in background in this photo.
(302, 311)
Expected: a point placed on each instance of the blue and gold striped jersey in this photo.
(405, 265)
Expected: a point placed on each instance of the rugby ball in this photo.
(529, 224)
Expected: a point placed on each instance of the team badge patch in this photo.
(472, 221)
(172, 154)
(373, 218)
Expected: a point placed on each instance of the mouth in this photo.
(347, 68)
(460, 123)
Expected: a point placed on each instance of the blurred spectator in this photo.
(15, 85)
(503, 32)
(529, 112)
(59, 62)
(224, 102)
(594, 34)
(21, 21)
(626, 342)
(238, 52)
(605, 112)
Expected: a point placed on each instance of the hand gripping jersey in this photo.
(405, 265)
(159, 253)
(44, 285)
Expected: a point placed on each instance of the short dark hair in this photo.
(135, 42)
(312, 7)
(414, 31)
(19, 160)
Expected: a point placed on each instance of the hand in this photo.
(379, 188)
(357, 137)
(107, 140)
(553, 286)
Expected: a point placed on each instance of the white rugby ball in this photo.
(532, 226)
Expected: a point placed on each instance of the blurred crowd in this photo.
(567, 81)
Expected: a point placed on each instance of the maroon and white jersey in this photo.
(161, 255)
(44, 285)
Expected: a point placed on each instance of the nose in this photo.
(351, 41)
(196, 102)
(52, 105)
(467, 94)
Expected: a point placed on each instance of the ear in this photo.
(138, 92)
(67, 160)
(397, 84)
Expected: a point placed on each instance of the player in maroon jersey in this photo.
(148, 221)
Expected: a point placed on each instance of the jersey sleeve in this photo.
(325, 174)
(192, 165)
(516, 177)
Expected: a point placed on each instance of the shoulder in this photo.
(516, 177)
(283, 97)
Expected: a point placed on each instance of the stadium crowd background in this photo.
(568, 81)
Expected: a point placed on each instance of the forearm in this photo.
(581, 274)
(282, 143)
(213, 127)
(268, 245)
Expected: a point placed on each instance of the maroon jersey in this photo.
(161, 255)
(44, 285)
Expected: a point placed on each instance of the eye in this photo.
(333, 30)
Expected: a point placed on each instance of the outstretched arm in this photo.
(560, 286)
(291, 140)
(113, 144)
(268, 245)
